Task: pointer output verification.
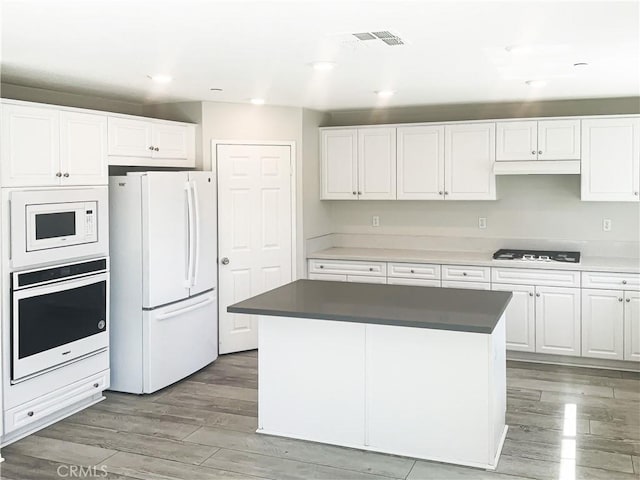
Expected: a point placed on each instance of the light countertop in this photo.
(593, 264)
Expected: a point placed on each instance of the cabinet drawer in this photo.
(465, 284)
(331, 277)
(414, 270)
(418, 282)
(611, 281)
(466, 273)
(344, 267)
(530, 276)
(35, 410)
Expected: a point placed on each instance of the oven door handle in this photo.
(181, 311)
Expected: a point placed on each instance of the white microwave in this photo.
(58, 225)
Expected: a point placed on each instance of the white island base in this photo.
(418, 392)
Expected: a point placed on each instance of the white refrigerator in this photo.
(164, 321)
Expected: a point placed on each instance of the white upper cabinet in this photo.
(148, 142)
(610, 167)
(49, 147)
(420, 163)
(469, 155)
(377, 164)
(538, 140)
(358, 164)
(339, 164)
(30, 146)
(83, 149)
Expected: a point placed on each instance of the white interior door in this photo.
(254, 240)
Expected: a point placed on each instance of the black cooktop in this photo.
(537, 255)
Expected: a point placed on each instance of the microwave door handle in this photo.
(190, 223)
(196, 259)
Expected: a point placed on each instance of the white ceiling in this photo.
(455, 51)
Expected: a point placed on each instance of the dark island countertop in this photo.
(463, 310)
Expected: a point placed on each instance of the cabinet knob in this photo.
(96, 385)
(533, 152)
(619, 299)
(412, 271)
(635, 193)
(59, 174)
(628, 300)
(440, 192)
(156, 149)
(30, 413)
(539, 152)
(371, 269)
(464, 274)
(353, 193)
(359, 193)
(150, 148)
(321, 266)
(531, 294)
(446, 193)
(66, 175)
(624, 282)
(537, 294)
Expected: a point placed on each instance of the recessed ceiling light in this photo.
(257, 101)
(581, 64)
(161, 78)
(323, 66)
(536, 83)
(385, 93)
(518, 49)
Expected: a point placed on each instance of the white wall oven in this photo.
(58, 314)
(58, 225)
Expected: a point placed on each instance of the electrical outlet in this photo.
(375, 221)
(482, 222)
(606, 224)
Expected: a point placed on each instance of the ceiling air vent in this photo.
(384, 35)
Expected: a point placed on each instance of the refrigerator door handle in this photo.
(181, 311)
(191, 223)
(196, 259)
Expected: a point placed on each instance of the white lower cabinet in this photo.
(632, 326)
(603, 324)
(558, 320)
(520, 317)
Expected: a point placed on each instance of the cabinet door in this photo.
(558, 320)
(339, 164)
(516, 141)
(610, 167)
(30, 146)
(169, 141)
(469, 155)
(377, 164)
(559, 140)
(129, 138)
(520, 317)
(420, 163)
(602, 324)
(83, 149)
(632, 326)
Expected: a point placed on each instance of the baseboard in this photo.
(573, 361)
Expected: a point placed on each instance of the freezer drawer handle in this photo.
(181, 311)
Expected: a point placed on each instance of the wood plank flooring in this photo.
(204, 428)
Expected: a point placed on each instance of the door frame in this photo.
(292, 181)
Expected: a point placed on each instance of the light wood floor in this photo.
(204, 428)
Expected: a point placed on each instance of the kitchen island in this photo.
(414, 371)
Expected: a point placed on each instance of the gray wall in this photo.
(479, 111)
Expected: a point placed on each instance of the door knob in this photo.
(224, 261)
